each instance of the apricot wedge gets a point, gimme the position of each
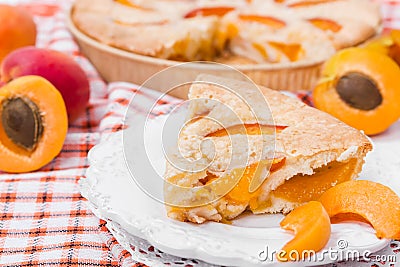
(33, 124)
(312, 228)
(376, 203)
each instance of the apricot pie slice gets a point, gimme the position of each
(255, 149)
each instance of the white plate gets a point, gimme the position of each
(132, 216)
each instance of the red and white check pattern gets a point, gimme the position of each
(44, 221)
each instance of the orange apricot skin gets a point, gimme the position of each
(379, 68)
(376, 203)
(311, 225)
(55, 121)
(56, 67)
(17, 29)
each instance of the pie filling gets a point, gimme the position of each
(298, 189)
(304, 188)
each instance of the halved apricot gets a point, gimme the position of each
(266, 20)
(376, 203)
(360, 87)
(325, 24)
(209, 11)
(312, 228)
(33, 124)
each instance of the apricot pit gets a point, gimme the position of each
(359, 91)
(312, 228)
(22, 122)
(365, 201)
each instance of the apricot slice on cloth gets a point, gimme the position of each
(312, 228)
(209, 11)
(360, 87)
(376, 203)
(33, 124)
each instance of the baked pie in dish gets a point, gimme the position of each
(234, 31)
(248, 163)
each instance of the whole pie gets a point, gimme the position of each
(232, 157)
(234, 31)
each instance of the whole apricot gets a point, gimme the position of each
(56, 67)
(17, 29)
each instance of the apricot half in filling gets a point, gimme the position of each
(360, 87)
(33, 124)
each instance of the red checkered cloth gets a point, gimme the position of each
(44, 219)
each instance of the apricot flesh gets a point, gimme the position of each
(58, 68)
(312, 228)
(374, 202)
(17, 29)
(33, 124)
(303, 188)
